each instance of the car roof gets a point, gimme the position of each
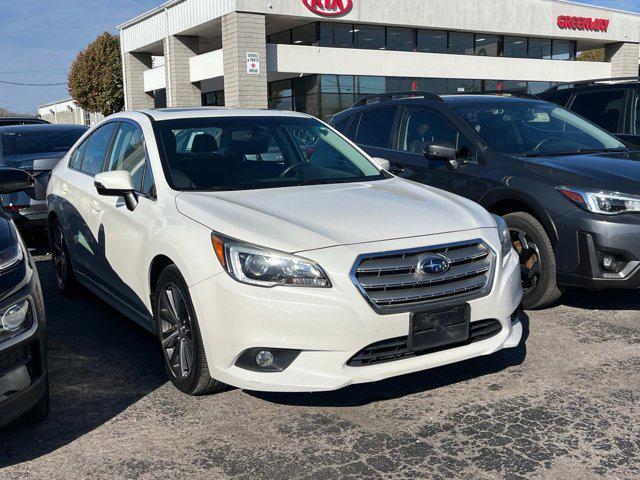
(213, 112)
(570, 88)
(41, 127)
(470, 99)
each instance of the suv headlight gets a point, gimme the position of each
(603, 202)
(10, 257)
(15, 319)
(267, 268)
(504, 234)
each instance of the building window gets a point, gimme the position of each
(282, 38)
(514, 47)
(371, 85)
(540, 48)
(461, 43)
(338, 35)
(87, 119)
(370, 37)
(213, 99)
(431, 41)
(400, 39)
(305, 35)
(487, 45)
(563, 50)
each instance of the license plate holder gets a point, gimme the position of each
(439, 328)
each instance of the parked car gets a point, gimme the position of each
(613, 104)
(35, 149)
(310, 271)
(564, 186)
(24, 387)
(8, 121)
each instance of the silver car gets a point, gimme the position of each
(36, 149)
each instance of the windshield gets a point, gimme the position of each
(39, 141)
(240, 153)
(535, 128)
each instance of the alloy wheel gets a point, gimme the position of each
(530, 260)
(176, 331)
(59, 257)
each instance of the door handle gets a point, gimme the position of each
(95, 205)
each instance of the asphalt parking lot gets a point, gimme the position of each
(566, 406)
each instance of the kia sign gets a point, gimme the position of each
(567, 22)
(329, 8)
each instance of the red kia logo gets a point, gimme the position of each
(329, 8)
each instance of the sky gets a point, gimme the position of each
(39, 40)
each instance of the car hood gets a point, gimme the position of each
(296, 219)
(617, 172)
(34, 162)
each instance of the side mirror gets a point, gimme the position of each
(15, 180)
(439, 151)
(382, 163)
(117, 184)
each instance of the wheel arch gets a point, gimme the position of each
(158, 264)
(505, 202)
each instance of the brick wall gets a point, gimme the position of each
(135, 64)
(243, 33)
(623, 58)
(180, 91)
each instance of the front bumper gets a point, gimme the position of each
(329, 326)
(23, 359)
(584, 237)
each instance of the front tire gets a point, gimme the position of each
(65, 280)
(183, 352)
(537, 260)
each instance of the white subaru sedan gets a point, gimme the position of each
(268, 252)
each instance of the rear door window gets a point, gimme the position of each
(93, 161)
(376, 127)
(602, 108)
(76, 157)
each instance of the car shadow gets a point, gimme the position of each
(601, 299)
(100, 363)
(397, 387)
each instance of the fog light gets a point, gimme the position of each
(264, 359)
(609, 262)
(15, 316)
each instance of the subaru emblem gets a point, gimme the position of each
(436, 265)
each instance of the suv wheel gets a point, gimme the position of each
(65, 280)
(537, 260)
(182, 349)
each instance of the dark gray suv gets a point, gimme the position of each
(565, 186)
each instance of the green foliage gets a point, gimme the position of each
(95, 79)
(596, 55)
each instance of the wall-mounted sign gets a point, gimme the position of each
(329, 8)
(567, 22)
(253, 63)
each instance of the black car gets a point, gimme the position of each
(614, 104)
(35, 149)
(565, 186)
(24, 389)
(8, 121)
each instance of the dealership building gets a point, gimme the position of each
(319, 56)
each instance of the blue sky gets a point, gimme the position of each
(40, 38)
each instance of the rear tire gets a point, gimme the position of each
(183, 352)
(537, 260)
(62, 269)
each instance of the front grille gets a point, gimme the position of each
(392, 281)
(13, 358)
(396, 348)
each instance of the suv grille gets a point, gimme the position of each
(396, 348)
(393, 281)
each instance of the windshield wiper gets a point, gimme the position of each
(581, 151)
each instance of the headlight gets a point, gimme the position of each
(504, 234)
(267, 268)
(10, 257)
(15, 319)
(606, 203)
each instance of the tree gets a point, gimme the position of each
(596, 55)
(95, 79)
